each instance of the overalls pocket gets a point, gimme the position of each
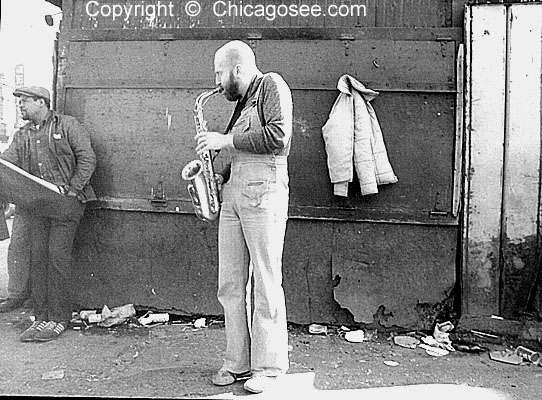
(256, 193)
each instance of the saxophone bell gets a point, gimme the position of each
(198, 190)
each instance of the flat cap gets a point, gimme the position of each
(32, 91)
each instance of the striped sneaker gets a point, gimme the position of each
(51, 331)
(29, 334)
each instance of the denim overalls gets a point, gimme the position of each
(251, 237)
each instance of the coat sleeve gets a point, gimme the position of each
(338, 134)
(11, 154)
(85, 158)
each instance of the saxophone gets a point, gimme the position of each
(202, 185)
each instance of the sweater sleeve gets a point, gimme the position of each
(275, 109)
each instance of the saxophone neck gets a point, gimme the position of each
(203, 97)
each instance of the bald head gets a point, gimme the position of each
(235, 66)
(236, 53)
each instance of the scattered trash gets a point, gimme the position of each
(441, 334)
(369, 335)
(528, 354)
(85, 314)
(316, 329)
(506, 356)
(355, 336)
(200, 323)
(52, 375)
(152, 318)
(484, 334)
(430, 341)
(468, 347)
(94, 318)
(116, 316)
(434, 351)
(408, 342)
(391, 363)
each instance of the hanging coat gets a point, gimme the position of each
(353, 139)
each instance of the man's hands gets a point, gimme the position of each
(219, 179)
(68, 191)
(212, 141)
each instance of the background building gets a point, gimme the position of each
(26, 51)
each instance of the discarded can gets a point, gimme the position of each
(316, 329)
(85, 314)
(528, 354)
(153, 318)
(355, 336)
(94, 318)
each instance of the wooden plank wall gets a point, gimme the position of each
(487, 93)
(521, 192)
(503, 195)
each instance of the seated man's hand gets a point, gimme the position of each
(68, 191)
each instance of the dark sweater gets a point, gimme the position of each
(274, 107)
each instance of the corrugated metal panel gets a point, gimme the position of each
(141, 137)
(414, 13)
(134, 88)
(332, 272)
(150, 106)
(159, 260)
(375, 268)
(381, 64)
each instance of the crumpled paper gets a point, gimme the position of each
(117, 315)
(442, 335)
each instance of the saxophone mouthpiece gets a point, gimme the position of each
(219, 89)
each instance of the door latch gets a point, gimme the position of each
(158, 196)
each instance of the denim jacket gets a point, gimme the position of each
(70, 148)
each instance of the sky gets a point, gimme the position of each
(26, 39)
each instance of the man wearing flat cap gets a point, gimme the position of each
(56, 148)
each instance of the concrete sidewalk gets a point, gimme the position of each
(177, 361)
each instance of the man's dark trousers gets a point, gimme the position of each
(51, 264)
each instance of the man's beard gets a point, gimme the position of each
(232, 92)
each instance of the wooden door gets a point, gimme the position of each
(503, 107)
